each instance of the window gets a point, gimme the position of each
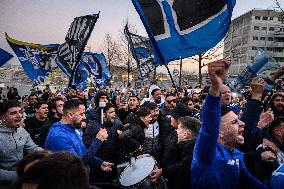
(257, 17)
(270, 18)
(270, 38)
(264, 28)
(271, 28)
(253, 48)
(256, 27)
(262, 38)
(255, 38)
(280, 19)
(269, 48)
(265, 18)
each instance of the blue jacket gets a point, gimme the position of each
(63, 137)
(214, 166)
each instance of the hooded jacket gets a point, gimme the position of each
(14, 143)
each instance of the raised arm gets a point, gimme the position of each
(205, 147)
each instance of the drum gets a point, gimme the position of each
(137, 174)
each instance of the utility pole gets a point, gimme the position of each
(199, 69)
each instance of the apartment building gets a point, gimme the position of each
(254, 29)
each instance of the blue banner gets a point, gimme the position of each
(180, 29)
(4, 57)
(92, 67)
(37, 60)
(261, 63)
(70, 52)
(142, 51)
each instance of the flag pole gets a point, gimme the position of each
(171, 77)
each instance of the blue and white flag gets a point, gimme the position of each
(93, 68)
(38, 61)
(183, 28)
(261, 63)
(70, 52)
(4, 57)
(142, 52)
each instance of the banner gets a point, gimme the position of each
(261, 63)
(38, 61)
(4, 57)
(180, 29)
(142, 52)
(70, 52)
(93, 68)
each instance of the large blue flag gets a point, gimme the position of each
(142, 51)
(93, 68)
(37, 60)
(183, 28)
(4, 56)
(70, 52)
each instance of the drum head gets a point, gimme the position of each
(137, 172)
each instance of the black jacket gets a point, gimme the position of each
(178, 173)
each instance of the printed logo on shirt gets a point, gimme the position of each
(234, 162)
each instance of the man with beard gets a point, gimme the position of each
(100, 97)
(155, 95)
(30, 105)
(277, 104)
(216, 163)
(34, 124)
(133, 106)
(56, 109)
(109, 148)
(170, 104)
(226, 99)
(63, 136)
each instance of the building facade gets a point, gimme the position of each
(254, 29)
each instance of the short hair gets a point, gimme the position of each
(30, 158)
(52, 102)
(134, 96)
(190, 123)
(169, 94)
(143, 112)
(38, 104)
(186, 99)
(108, 106)
(5, 105)
(225, 110)
(155, 90)
(276, 123)
(62, 170)
(71, 105)
(150, 105)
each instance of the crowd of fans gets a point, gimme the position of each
(208, 139)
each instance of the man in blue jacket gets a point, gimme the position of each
(63, 136)
(216, 163)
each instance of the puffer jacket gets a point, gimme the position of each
(14, 143)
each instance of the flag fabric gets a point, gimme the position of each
(37, 60)
(261, 63)
(70, 52)
(4, 57)
(142, 52)
(180, 29)
(93, 68)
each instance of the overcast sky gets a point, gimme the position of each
(47, 21)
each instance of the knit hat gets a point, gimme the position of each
(180, 110)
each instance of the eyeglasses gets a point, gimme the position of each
(171, 101)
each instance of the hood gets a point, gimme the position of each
(152, 87)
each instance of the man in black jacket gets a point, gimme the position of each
(178, 173)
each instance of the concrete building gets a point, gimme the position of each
(254, 29)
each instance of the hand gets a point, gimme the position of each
(83, 124)
(156, 174)
(265, 118)
(268, 156)
(119, 132)
(217, 72)
(106, 166)
(257, 86)
(278, 74)
(268, 144)
(102, 135)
